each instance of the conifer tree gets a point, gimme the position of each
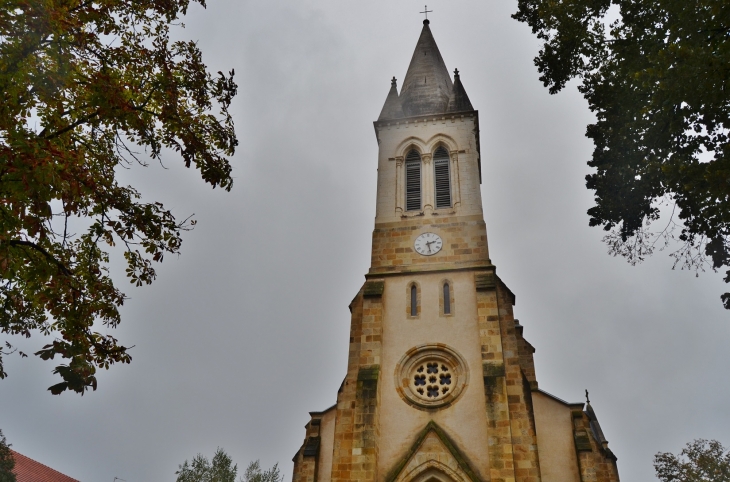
(7, 462)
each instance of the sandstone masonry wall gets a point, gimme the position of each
(465, 244)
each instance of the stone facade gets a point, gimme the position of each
(431, 396)
(466, 244)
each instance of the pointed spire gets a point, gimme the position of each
(589, 410)
(459, 101)
(595, 426)
(427, 86)
(392, 108)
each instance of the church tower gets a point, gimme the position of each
(440, 383)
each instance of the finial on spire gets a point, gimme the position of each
(588, 400)
(393, 81)
(456, 73)
(426, 11)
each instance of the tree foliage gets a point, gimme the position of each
(255, 474)
(699, 461)
(221, 469)
(655, 73)
(85, 87)
(7, 462)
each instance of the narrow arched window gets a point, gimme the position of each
(413, 181)
(442, 178)
(414, 300)
(447, 299)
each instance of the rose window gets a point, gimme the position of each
(431, 376)
(432, 380)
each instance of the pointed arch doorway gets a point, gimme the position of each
(433, 471)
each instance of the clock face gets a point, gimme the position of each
(428, 244)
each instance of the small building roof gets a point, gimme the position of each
(29, 470)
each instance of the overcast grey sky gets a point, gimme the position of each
(247, 331)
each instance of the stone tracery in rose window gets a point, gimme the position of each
(431, 376)
(432, 380)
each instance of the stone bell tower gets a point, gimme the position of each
(440, 382)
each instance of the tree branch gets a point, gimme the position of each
(61, 267)
(69, 127)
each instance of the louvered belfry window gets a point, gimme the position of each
(413, 181)
(442, 178)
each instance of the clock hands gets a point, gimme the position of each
(428, 244)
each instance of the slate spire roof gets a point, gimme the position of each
(392, 108)
(459, 101)
(596, 429)
(427, 87)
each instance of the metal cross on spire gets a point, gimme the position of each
(426, 11)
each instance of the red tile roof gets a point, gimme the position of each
(28, 470)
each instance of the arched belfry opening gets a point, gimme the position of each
(413, 181)
(442, 178)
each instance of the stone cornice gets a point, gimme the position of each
(426, 118)
(431, 269)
